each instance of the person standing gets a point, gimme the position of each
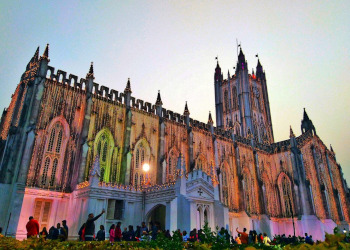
(32, 228)
(64, 225)
(244, 235)
(90, 226)
(44, 233)
(118, 232)
(101, 235)
(112, 233)
(144, 228)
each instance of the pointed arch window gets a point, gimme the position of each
(53, 156)
(234, 98)
(104, 144)
(224, 187)
(287, 199)
(226, 101)
(59, 141)
(141, 156)
(46, 169)
(136, 180)
(53, 173)
(247, 187)
(52, 139)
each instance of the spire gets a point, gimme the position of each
(306, 124)
(306, 117)
(331, 148)
(36, 55)
(259, 64)
(241, 57)
(186, 111)
(128, 88)
(291, 133)
(228, 75)
(217, 75)
(159, 100)
(46, 53)
(210, 119)
(217, 65)
(91, 71)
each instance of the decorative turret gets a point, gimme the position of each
(46, 53)
(90, 81)
(217, 75)
(159, 100)
(291, 133)
(306, 124)
(186, 111)
(34, 59)
(210, 119)
(241, 57)
(91, 72)
(159, 104)
(241, 64)
(128, 88)
(44, 61)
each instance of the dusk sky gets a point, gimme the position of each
(304, 47)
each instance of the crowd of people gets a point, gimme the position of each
(143, 233)
(54, 233)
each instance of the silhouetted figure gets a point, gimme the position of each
(101, 234)
(90, 226)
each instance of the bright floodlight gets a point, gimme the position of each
(145, 167)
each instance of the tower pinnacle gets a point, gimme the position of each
(159, 100)
(46, 52)
(128, 88)
(91, 71)
(291, 133)
(210, 119)
(186, 111)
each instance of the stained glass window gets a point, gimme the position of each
(46, 168)
(54, 170)
(59, 141)
(52, 139)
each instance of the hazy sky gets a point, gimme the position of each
(171, 46)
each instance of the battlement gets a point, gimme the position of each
(110, 95)
(199, 174)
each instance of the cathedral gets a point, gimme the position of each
(70, 147)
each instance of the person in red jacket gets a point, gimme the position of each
(32, 228)
(118, 232)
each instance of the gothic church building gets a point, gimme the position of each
(70, 147)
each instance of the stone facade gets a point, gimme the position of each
(69, 148)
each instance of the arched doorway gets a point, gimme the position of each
(157, 214)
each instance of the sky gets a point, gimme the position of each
(171, 46)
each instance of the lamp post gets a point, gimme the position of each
(145, 169)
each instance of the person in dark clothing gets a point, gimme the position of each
(131, 234)
(81, 232)
(101, 235)
(53, 233)
(43, 234)
(154, 230)
(138, 232)
(167, 234)
(125, 234)
(90, 226)
(61, 232)
(144, 228)
(64, 225)
(118, 232)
